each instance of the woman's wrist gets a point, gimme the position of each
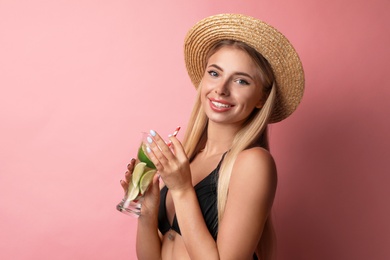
(148, 220)
(182, 194)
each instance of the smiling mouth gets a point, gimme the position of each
(220, 105)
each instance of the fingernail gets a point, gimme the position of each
(153, 133)
(170, 135)
(149, 139)
(148, 149)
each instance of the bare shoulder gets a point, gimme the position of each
(256, 159)
(255, 164)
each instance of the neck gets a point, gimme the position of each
(219, 138)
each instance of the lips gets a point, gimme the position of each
(220, 105)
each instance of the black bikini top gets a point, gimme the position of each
(206, 192)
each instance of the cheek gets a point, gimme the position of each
(206, 88)
(251, 101)
(246, 98)
(257, 96)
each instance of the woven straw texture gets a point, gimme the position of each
(273, 45)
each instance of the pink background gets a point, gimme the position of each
(81, 79)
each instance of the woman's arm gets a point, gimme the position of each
(251, 193)
(148, 243)
(196, 236)
(175, 171)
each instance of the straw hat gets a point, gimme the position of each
(269, 42)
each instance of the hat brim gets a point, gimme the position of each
(265, 39)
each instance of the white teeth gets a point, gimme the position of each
(220, 105)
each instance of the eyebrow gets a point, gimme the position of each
(236, 73)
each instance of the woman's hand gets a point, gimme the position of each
(151, 200)
(152, 195)
(171, 162)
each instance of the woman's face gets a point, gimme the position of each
(230, 87)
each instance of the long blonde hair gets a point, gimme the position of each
(253, 133)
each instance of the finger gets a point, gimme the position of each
(152, 156)
(130, 166)
(154, 188)
(177, 147)
(124, 185)
(157, 152)
(156, 141)
(128, 176)
(159, 141)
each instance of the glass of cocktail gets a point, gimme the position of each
(141, 178)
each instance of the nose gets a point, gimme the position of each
(222, 88)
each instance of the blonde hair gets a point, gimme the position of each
(253, 133)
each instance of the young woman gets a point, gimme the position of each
(218, 186)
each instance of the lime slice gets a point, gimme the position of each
(145, 181)
(144, 158)
(132, 193)
(137, 173)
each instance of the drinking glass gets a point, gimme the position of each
(141, 178)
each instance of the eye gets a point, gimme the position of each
(212, 73)
(242, 82)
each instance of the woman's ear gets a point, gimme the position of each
(260, 104)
